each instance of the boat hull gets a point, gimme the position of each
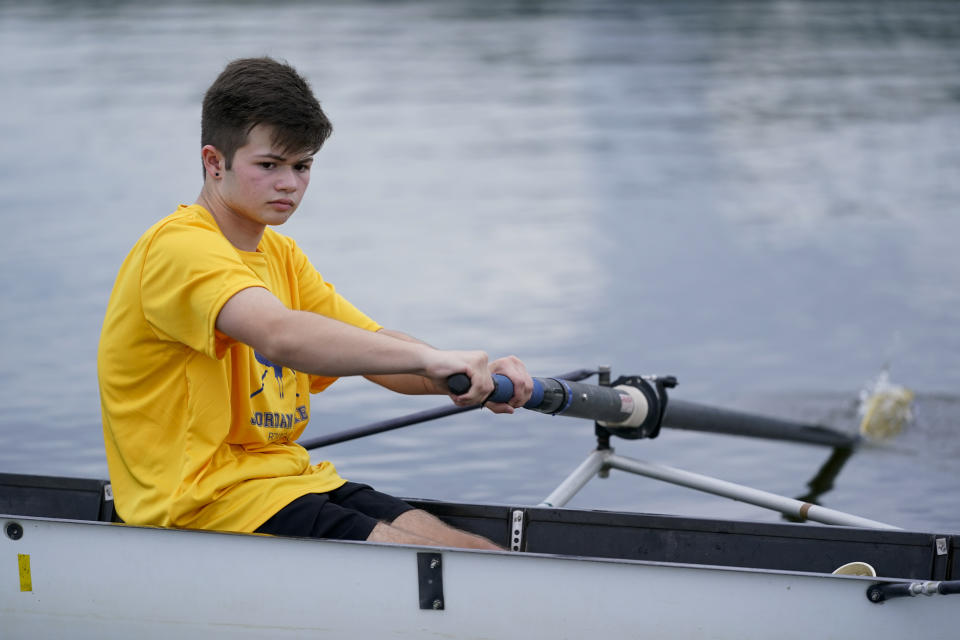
(102, 580)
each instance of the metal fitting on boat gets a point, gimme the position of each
(647, 404)
(14, 530)
(884, 591)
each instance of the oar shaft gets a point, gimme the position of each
(579, 400)
(696, 417)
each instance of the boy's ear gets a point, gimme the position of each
(213, 160)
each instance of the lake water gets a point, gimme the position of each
(758, 197)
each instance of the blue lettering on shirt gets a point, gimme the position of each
(275, 420)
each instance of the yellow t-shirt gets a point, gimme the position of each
(199, 429)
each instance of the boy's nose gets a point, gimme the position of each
(286, 181)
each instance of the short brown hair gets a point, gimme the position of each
(252, 91)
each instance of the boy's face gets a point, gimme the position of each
(265, 185)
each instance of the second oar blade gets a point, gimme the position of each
(886, 412)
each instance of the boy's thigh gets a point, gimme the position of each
(347, 513)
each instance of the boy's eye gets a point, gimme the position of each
(302, 167)
(268, 165)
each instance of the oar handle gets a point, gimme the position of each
(459, 384)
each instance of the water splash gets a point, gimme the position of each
(885, 408)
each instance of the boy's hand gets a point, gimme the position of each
(513, 368)
(474, 364)
(443, 364)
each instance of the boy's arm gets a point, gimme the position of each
(318, 345)
(510, 366)
(408, 383)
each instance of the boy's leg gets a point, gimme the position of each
(401, 523)
(314, 515)
(358, 512)
(424, 525)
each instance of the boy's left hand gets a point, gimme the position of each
(513, 368)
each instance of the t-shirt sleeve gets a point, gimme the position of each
(320, 296)
(188, 274)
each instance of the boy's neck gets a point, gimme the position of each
(243, 233)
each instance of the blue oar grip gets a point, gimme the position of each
(536, 398)
(502, 389)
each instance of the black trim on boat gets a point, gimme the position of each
(666, 538)
(56, 497)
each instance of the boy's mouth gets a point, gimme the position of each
(282, 203)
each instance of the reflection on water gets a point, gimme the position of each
(755, 196)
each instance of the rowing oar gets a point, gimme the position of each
(414, 418)
(636, 407)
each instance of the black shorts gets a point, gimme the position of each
(347, 513)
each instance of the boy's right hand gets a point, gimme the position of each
(473, 364)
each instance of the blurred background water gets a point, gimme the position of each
(759, 197)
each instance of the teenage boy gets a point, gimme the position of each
(219, 329)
